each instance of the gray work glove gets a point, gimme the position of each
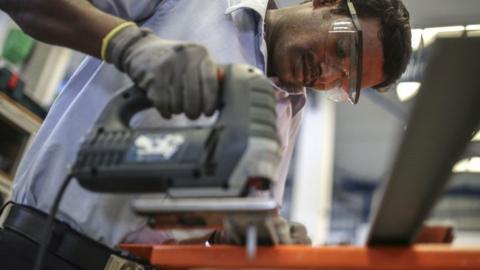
(286, 232)
(291, 232)
(177, 77)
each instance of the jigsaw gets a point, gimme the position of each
(214, 176)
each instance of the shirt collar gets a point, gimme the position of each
(285, 91)
(259, 6)
(296, 97)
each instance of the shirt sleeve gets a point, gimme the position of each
(132, 10)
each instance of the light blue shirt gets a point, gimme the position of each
(231, 30)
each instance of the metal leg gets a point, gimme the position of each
(251, 241)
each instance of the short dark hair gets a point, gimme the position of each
(395, 33)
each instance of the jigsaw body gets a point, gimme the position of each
(204, 172)
(215, 161)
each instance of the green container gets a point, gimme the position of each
(18, 46)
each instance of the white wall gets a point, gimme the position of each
(312, 190)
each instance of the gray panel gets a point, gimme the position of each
(445, 115)
(433, 13)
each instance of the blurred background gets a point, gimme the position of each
(343, 151)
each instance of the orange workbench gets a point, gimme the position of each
(420, 256)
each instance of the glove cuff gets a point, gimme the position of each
(121, 38)
(110, 35)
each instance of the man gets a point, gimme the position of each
(175, 62)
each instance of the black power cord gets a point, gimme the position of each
(47, 231)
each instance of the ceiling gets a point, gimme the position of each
(431, 13)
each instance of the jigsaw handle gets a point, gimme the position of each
(123, 106)
(214, 161)
(244, 89)
(127, 102)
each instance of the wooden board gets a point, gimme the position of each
(431, 256)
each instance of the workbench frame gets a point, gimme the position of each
(416, 257)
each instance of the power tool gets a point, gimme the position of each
(200, 169)
(221, 160)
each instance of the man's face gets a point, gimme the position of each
(299, 47)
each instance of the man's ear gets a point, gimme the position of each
(325, 3)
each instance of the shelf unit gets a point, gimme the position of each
(5, 185)
(18, 126)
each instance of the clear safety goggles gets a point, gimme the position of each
(343, 59)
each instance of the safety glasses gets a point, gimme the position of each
(343, 58)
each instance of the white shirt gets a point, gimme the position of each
(232, 31)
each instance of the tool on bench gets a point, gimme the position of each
(211, 176)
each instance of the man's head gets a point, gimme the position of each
(298, 42)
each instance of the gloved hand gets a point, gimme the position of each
(287, 233)
(291, 232)
(177, 77)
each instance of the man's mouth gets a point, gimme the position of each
(304, 70)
